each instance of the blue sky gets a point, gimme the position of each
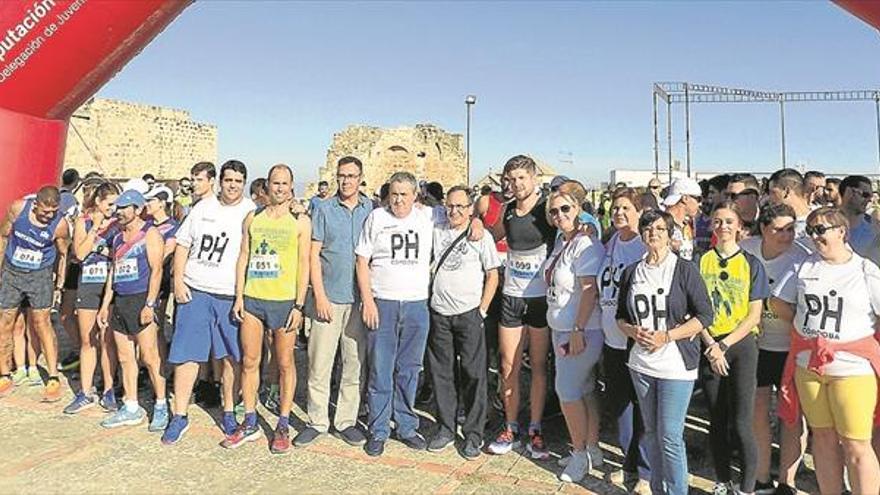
(279, 78)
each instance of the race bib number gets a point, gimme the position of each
(264, 266)
(125, 270)
(524, 267)
(27, 258)
(96, 273)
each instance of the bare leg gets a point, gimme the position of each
(184, 378)
(763, 435)
(147, 341)
(539, 346)
(829, 465)
(251, 346)
(284, 342)
(88, 349)
(861, 464)
(510, 346)
(39, 318)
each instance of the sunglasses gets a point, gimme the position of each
(819, 229)
(865, 194)
(655, 187)
(555, 211)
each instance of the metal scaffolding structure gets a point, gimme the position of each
(674, 93)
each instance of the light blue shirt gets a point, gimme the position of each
(338, 228)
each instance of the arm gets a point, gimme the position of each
(304, 240)
(62, 244)
(104, 312)
(316, 275)
(370, 311)
(84, 240)
(489, 288)
(170, 247)
(589, 296)
(155, 251)
(181, 292)
(241, 268)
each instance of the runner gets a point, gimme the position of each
(208, 244)
(683, 203)
(864, 236)
(778, 252)
(737, 286)
(133, 288)
(34, 239)
(464, 283)
(158, 211)
(69, 208)
(91, 235)
(336, 318)
(272, 276)
(524, 306)
(786, 186)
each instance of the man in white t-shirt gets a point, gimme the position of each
(208, 243)
(786, 186)
(393, 270)
(466, 276)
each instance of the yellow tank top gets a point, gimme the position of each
(273, 261)
(729, 282)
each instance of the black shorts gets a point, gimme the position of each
(34, 287)
(71, 276)
(523, 311)
(126, 317)
(89, 296)
(770, 366)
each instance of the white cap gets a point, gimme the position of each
(684, 186)
(159, 189)
(139, 185)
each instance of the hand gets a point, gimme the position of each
(576, 343)
(588, 229)
(645, 338)
(181, 293)
(296, 208)
(294, 320)
(324, 309)
(485, 313)
(370, 314)
(477, 230)
(238, 309)
(103, 317)
(720, 365)
(98, 218)
(148, 315)
(56, 297)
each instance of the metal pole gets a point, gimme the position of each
(656, 142)
(687, 127)
(468, 144)
(782, 127)
(669, 135)
(877, 108)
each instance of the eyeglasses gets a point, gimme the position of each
(457, 207)
(864, 194)
(555, 211)
(654, 187)
(819, 229)
(345, 177)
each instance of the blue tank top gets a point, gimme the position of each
(96, 264)
(31, 247)
(131, 270)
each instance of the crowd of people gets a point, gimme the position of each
(741, 287)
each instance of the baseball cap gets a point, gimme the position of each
(130, 197)
(161, 192)
(558, 181)
(684, 186)
(139, 185)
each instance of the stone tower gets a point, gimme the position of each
(426, 150)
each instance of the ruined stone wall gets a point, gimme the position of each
(426, 150)
(122, 140)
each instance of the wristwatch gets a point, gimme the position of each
(297, 306)
(150, 304)
(722, 346)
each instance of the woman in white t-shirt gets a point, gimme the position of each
(662, 305)
(570, 272)
(833, 300)
(624, 248)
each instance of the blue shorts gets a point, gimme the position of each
(204, 327)
(272, 314)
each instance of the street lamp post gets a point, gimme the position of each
(469, 101)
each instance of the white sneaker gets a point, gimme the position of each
(642, 487)
(724, 488)
(597, 457)
(578, 467)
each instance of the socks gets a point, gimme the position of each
(131, 406)
(534, 426)
(250, 419)
(514, 426)
(161, 403)
(283, 421)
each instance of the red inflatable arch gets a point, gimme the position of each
(54, 55)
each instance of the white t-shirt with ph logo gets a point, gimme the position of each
(399, 250)
(619, 254)
(837, 302)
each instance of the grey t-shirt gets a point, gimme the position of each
(458, 285)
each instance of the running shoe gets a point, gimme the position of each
(34, 377)
(108, 401)
(241, 436)
(726, 488)
(597, 457)
(229, 424)
(80, 403)
(160, 418)
(536, 447)
(642, 487)
(124, 417)
(52, 392)
(765, 487)
(505, 442)
(20, 376)
(176, 428)
(280, 441)
(578, 467)
(6, 385)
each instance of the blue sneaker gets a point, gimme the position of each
(229, 424)
(124, 417)
(176, 428)
(160, 418)
(80, 403)
(108, 401)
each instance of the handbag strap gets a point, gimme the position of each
(548, 275)
(446, 254)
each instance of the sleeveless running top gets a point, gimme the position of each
(96, 264)
(31, 247)
(492, 220)
(131, 270)
(529, 239)
(273, 260)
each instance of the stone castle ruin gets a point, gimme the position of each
(426, 150)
